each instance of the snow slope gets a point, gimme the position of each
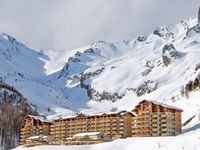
(104, 74)
(189, 140)
(24, 69)
(186, 141)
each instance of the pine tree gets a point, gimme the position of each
(189, 86)
(13, 108)
(182, 91)
(196, 83)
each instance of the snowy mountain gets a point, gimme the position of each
(23, 68)
(104, 75)
(162, 66)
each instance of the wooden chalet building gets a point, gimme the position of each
(32, 126)
(111, 125)
(156, 119)
(148, 118)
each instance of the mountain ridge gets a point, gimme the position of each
(86, 79)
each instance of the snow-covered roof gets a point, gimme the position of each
(161, 104)
(41, 118)
(87, 134)
(33, 137)
(133, 113)
(121, 112)
(96, 114)
(66, 117)
(102, 113)
(36, 137)
(111, 113)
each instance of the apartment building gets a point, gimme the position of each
(34, 126)
(148, 118)
(156, 119)
(112, 125)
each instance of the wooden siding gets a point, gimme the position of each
(150, 119)
(33, 127)
(155, 120)
(111, 125)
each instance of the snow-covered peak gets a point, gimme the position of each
(7, 37)
(10, 42)
(104, 74)
(107, 76)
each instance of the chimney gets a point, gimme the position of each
(199, 16)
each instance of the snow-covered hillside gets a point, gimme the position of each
(104, 75)
(107, 75)
(189, 140)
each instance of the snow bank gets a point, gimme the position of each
(187, 141)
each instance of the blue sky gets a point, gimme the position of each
(70, 24)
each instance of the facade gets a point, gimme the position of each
(156, 119)
(148, 118)
(112, 125)
(34, 126)
(36, 140)
(88, 135)
(85, 138)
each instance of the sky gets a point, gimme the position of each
(71, 24)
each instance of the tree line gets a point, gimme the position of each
(191, 86)
(13, 108)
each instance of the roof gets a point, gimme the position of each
(36, 137)
(33, 137)
(95, 114)
(87, 134)
(121, 112)
(133, 113)
(41, 118)
(161, 104)
(66, 117)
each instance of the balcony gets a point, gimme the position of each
(143, 125)
(25, 132)
(25, 129)
(164, 129)
(163, 120)
(143, 116)
(164, 125)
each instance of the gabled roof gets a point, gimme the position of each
(41, 118)
(158, 103)
(81, 115)
(66, 117)
(111, 113)
(37, 137)
(87, 134)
